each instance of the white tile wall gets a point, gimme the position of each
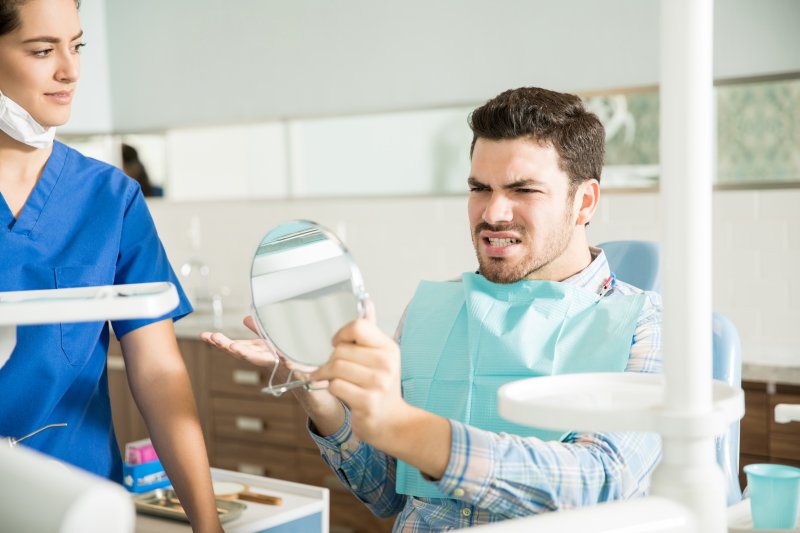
(398, 241)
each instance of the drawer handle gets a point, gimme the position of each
(247, 377)
(249, 468)
(249, 423)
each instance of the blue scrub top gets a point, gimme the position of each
(85, 223)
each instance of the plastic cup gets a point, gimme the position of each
(774, 495)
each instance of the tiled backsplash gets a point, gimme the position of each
(398, 241)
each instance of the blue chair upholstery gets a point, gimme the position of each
(636, 262)
(727, 367)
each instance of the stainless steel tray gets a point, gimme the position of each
(164, 503)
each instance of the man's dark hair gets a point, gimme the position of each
(545, 117)
(9, 14)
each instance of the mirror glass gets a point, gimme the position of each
(305, 286)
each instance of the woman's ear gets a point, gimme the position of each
(587, 195)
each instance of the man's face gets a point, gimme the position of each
(521, 210)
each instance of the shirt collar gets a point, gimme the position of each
(595, 275)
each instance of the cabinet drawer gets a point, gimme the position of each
(785, 447)
(270, 461)
(784, 438)
(754, 424)
(233, 376)
(255, 421)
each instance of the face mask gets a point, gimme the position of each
(21, 126)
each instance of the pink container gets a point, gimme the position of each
(140, 452)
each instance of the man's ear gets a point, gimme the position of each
(587, 195)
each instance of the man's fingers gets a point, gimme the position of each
(347, 392)
(362, 332)
(369, 311)
(250, 323)
(350, 371)
(216, 338)
(256, 351)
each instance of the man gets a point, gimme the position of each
(422, 439)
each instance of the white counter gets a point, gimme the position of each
(301, 504)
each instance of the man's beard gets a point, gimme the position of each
(506, 270)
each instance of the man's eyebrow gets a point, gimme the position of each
(51, 40)
(525, 182)
(474, 182)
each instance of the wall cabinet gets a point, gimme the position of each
(246, 430)
(762, 439)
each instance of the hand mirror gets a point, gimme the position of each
(305, 286)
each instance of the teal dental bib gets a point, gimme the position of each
(462, 341)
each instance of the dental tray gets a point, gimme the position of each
(164, 503)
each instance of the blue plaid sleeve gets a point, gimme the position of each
(366, 471)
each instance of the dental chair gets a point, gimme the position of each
(637, 263)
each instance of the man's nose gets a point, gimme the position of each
(499, 209)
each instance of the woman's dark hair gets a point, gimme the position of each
(134, 168)
(9, 14)
(545, 117)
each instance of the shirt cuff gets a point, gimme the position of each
(338, 447)
(471, 465)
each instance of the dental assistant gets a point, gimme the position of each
(410, 425)
(70, 221)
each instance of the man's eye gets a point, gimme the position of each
(476, 188)
(528, 191)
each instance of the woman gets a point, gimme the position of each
(133, 167)
(69, 221)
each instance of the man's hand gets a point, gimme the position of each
(364, 373)
(324, 410)
(256, 351)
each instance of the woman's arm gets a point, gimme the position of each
(160, 385)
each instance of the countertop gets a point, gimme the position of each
(298, 501)
(787, 375)
(231, 325)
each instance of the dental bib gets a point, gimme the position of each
(462, 341)
(21, 126)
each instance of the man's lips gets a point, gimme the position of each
(499, 243)
(500, 238)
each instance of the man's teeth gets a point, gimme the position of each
(502, 242)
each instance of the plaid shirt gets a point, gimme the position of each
(496, 476)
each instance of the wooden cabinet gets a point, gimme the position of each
(261, 434)
(128, 422)
(246, 430)
(762, 439)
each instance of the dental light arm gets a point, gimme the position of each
(82, 304)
